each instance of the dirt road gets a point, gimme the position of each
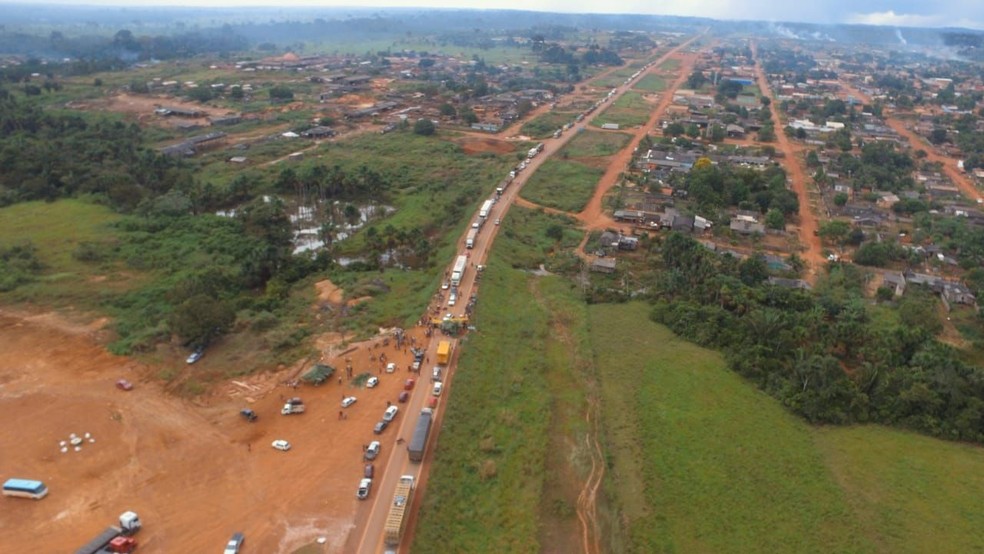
(808, 227)
(959, 178)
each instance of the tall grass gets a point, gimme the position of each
(565, 185)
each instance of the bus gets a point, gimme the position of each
(25, 488)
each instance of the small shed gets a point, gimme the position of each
(603, 265)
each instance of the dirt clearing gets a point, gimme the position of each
(194, 471)
(479, 145)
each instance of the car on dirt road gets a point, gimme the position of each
(372, 382)
(281, 444)
(248, 415)
(404, 396)
(371, 451)
(380, 426)
(235, 544)
(438, 388)
(408, 384)
(390, 413)
(369, 471)
(365, 485)
(445, 285)
(123, 384)
(391, 367)
(348, 401)
(498, 221)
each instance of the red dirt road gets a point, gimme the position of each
(949, 165)
(194, 473)
(813, 256)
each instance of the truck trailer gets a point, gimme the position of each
(470, 239)
(458, 271)
(443, 352)
(486, 208)
(396, 520)
(419, 441)
(115, 539)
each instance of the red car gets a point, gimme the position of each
(404, 396)
(432, 402)
(123, 384)
(408, 385)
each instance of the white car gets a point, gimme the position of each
(372, 382)
(445, 285)
(498, 221)
(196, 355)
(348, 401)
(390, 413)
(452, 298)
(438, 388)
(390, 367)
(371, 451)
(365, 485)
(281, 444)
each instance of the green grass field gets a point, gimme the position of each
(671, 64)
(630, 110)
(544, 125)
(702, 462)
(57, 229)
(565, 185)
(651, 83)
(594, 144)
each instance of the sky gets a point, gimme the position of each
(900, 13)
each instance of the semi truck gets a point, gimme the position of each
(396, 520)
(115, 539)
(458, 271)
(486, 208)
(470, 239)
(419, 441)
(443, 352)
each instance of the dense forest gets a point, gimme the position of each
(824, 354)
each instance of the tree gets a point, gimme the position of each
(424, 127)
(200, 94)
(674, 129)
(201, 318)
(767, 133)
(447, 110)
(281, 92)
(696, 80)
(938, 135)
(765, 100)
(717, 133)
(774, 219)
(835, 231)
(841, 198)
(468, 116)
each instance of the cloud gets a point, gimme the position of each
(892, 19)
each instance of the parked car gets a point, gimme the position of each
(438, 388)
(248, 415)
(498, 221)
(452, 298)
(372, 451)
(196, 355)
(432, 402)
(372, 382)
(234, 544)
(408, 385)
(416, 365)
(381, 426)
(365, 485)
(348, 401)
(123, 384)
(281, 444)
(404, 396)
(390, 367)
(445, 285)
(436, 375)
(390, 413)
(369, 471)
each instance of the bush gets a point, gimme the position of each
(424, 127)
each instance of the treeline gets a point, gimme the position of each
(47, 155)
(714, 187)
(822, 353)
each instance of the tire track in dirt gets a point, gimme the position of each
(587, 505)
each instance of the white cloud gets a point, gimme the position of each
(892, 19)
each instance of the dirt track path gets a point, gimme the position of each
(949, 165)
(593, 215)
(813, 256)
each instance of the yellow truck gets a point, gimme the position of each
(443, 352)
(396, 520)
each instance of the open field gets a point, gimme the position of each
(729, 470)
(544, 125)
(670, 65)
(565, 185)
(630, 110)
(651, 83)
(595, 144)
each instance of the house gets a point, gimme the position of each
(487, 127)
(227, 120)
(886, 200)
(746, 227)
(735, 131)
(683, 223)
(319, 132)
(632, 216)
(603, 265)
(609, 239)
(957, 293)
(894, 281)
(628, 243)
(610, 126)
(789, 283)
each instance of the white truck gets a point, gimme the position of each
(486, 208)
(458, 271)
(293, 406)
(532, 153)
(470, 239)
